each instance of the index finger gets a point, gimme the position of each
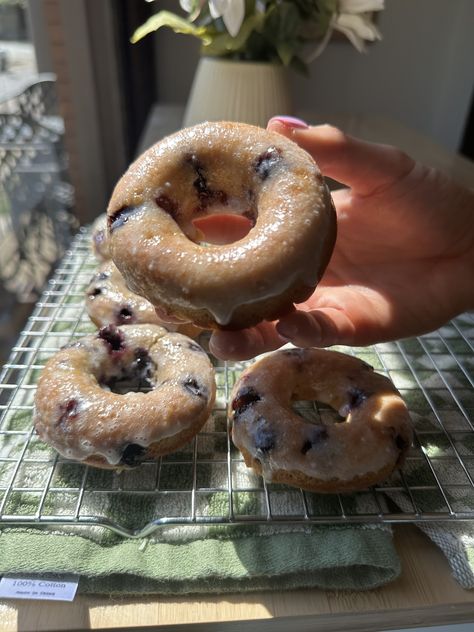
(361, 165)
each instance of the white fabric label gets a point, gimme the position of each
(60, 588)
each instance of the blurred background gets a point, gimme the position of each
(78, 101)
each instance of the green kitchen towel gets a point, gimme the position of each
(355, 558)
(457, 543)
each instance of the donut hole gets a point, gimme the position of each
(221, 228)
(316, 412)
(135, 376)
(203, 196)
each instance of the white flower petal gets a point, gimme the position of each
(377, 34)
(192, 6)
(186, 5)
(214, 13)
(354, 39)
(359, 24)
(218, 7)
(360, 6)
(234, 15)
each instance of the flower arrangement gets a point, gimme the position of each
(289, 33)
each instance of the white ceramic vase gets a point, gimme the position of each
(226, 90)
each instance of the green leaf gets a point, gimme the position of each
(285, 52)
(257, 49)
(313, 8)
(178, 24)
(225, 43)
(283, 22)
(300, 66)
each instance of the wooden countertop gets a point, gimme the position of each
(425, 593)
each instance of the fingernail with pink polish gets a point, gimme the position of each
(289, 121)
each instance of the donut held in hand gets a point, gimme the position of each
(88, 406)
(164, 212)
(359, 451)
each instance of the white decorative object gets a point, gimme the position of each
(245, 91)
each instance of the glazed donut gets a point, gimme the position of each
(88, 408)
(110, 302)
(236, 172)
(100, 238)
(278, 443)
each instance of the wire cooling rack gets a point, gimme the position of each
(207, 482)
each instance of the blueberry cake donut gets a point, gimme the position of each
(110, 302)
(100, 238)
(369, 440)
(222, 172)
(89, 408)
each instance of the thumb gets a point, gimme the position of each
(363, 166)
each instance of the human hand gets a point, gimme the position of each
(403, 261)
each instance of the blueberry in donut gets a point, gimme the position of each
(222, 224)
(369, 437)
